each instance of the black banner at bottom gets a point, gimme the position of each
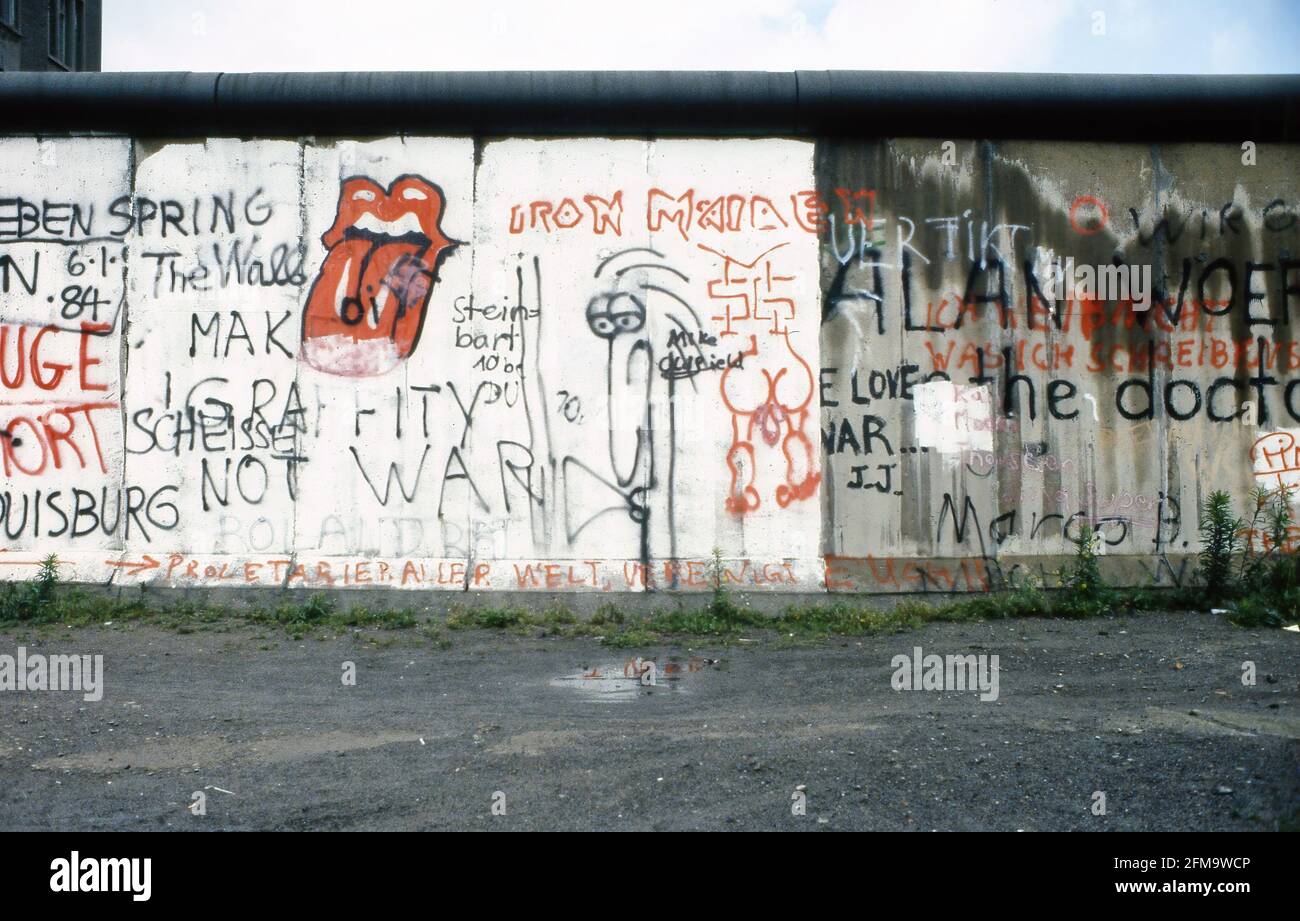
(338, 871)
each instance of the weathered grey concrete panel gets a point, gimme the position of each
(1086, 410)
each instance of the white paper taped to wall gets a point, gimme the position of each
(952, 418)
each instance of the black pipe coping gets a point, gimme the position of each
(861, 104)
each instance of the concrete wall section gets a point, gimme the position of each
(1049, 413)
(586, 364)
(64, 280)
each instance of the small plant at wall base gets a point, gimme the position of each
(721, 605)
(11, 606)
(30, 600)
(1220, 543)
(47, 578)
(1085, 592)
(1266, 560)
(1270, 569)
(1250, 567)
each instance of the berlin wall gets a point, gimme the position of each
(582, 364)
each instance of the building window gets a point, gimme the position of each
(57, 28)
(66, 18)
(9, 13)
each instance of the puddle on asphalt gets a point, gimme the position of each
(636, 677)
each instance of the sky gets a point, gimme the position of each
(1072, 36)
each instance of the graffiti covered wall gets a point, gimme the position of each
(584, 364)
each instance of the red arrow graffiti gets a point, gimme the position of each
(134, 569)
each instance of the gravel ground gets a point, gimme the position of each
(1149, 709)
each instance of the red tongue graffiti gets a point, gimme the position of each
(367, 306)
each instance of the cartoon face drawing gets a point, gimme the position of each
(615, 314)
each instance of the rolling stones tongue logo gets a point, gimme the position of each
(366, 308)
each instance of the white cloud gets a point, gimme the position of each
(995, 35)
(1009, 35)
(239, 35)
